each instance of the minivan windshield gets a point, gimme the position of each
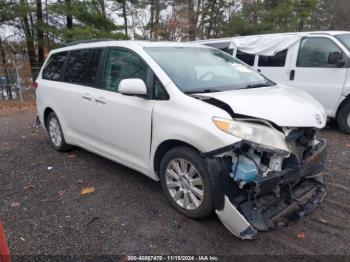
(344, 39)
(204, 70)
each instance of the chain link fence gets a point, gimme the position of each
(16, 83)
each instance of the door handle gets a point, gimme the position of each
(292, 75)
(87, 97)
(259, 70)
(100, 100)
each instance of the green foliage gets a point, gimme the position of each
(271, 16)
(89, 21)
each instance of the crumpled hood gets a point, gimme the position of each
(282, 105)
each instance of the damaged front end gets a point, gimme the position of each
(258, 187)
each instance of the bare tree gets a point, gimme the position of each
(40, 32)
(26, 21)
(69, 17)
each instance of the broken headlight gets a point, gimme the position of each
(258, 134)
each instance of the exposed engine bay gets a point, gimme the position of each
(270, 188)
(271, 178)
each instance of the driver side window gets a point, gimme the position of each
(122, 64)
(314, 52)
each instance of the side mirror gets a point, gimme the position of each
(334, 58)
(132, 86)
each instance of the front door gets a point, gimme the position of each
(124, 122)
(311, 72)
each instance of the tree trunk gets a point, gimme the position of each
(125, 18)
(151, 20)
(211, 18)
(40, 32)
(191, 21)
(69, 14)
(29, 37)
(157, 17)
(103, 13)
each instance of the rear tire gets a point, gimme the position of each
(344, 119)
(55, 133)
(185, 182)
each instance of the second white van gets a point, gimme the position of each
(316, 62)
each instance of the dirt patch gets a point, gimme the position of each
(44, 211)
(15, 105)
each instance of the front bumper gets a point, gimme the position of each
(272, 201)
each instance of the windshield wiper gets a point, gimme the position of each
(208, 90)
(258, 85)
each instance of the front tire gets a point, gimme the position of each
(185, 182)
(344, 119)
(55, 133)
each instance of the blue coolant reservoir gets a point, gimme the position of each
(246, 169)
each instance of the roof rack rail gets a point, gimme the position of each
(87, 41)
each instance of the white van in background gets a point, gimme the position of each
(316, 62)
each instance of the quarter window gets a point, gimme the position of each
(245, 57)
(82, 67)
(159, 90)
(122, 64)
(54, 66)
(314, 52)
(278, 60)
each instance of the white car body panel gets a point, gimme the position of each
(124, 127)
(282, 105)
(326, 85)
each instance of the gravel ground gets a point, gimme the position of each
(44, 213)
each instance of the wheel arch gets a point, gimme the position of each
(47, 111)
(164, 147)
(345, 101)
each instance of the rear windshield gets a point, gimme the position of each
(345, 39)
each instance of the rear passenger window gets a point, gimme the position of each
(245, 57)
(82, 67)
(122, 64)
(278, 60)
(53, 68)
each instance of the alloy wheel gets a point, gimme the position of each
(184, 184)
(55, 132)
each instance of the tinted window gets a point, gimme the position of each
(159, 90)
(278, 60)
(227, 50)
(82, 67)
(122, 64)
(245, 57)
(54, 66)
(314, 52)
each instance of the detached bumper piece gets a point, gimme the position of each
(235, 222)
(269, 211)
(275, 200)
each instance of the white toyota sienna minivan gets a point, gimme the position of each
(218, 135)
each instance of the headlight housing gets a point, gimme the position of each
(258, 134)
